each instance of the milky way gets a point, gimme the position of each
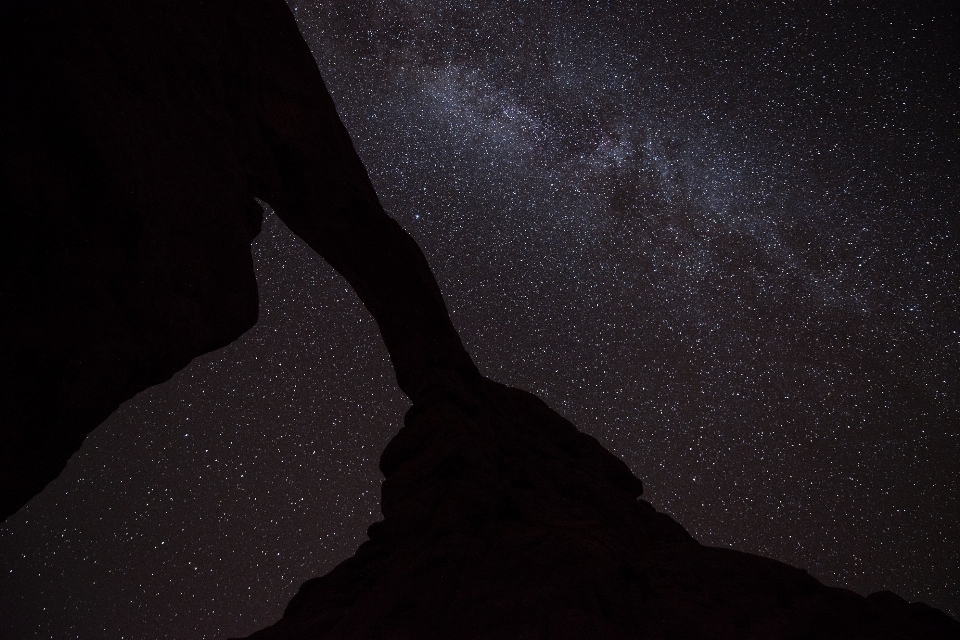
(723, 241)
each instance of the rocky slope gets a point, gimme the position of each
(504, 521)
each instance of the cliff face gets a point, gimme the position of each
(136, 138)
(504, 521)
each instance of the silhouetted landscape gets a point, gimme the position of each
(139, 141)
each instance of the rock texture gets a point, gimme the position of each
(135, 138)
(504, 521)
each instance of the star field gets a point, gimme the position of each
(723, 241)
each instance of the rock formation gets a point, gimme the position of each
(136, 138)
(504, 521)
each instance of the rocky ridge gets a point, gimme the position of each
(502, 520)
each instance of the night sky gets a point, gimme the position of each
(723, 241)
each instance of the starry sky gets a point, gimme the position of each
(720, 238)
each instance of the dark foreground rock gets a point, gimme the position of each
(501, 520)
(135, 137)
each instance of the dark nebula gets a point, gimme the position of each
(723, 241)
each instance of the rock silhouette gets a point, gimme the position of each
(502, 520)
(136, 140)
